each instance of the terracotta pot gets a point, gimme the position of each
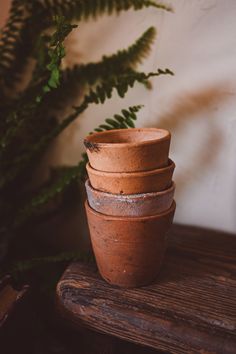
(128, 150)
(142, 204)
(132, 183)
(129, 251)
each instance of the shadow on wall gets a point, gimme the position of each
(195, 106)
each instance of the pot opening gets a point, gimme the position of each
(127, 136)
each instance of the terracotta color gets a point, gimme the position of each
(128, 150)
(132, 183)
(129, 251)
(143, 204)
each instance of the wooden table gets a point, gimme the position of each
(191, 308)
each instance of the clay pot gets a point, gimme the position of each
(129, 250)
(130, 205)
(128, 150)
(132, 183)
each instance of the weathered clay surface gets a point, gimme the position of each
(129, 250)
(143, 204)
(128, 150)
(132, 183)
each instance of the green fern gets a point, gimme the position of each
(28, 20)
(124, 61)
(46, 194)
(48, 69)
(97, 95)
(27, 124)
(18, 269)
(10, 39)
(56, 53)
(126, 119)
(83, 9)
(120, 121)
(114, 64)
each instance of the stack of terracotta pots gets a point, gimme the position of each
(130, 203)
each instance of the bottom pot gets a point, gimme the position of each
(129, 250)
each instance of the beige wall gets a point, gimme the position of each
(198, 105)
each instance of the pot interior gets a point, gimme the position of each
(127, 136)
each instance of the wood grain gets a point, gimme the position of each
(191, 308)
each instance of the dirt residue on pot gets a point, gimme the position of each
(128, 150)
(92, 147)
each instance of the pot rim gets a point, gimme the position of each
(131, 196)
(131, 218)
(170, 166)
(89, 139)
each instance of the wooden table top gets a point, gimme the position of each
(191, 308)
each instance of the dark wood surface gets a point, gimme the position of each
(9, 298)
(191, 308)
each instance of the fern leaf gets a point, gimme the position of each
(97, 95)
(124, 61)
(83, 9)
(121, 121)
(56, 52)
(114, 64)
(24, 112)
(16, 269)
(70, 174)
(10, 35)
(29, 19)
(104, 91)
(48, 193)
(17, 42)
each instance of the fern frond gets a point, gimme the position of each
(24, 266)
(48, 71)
(104, 91)
(56, 52)
(29, 19)
(46, 194)
(10, 35)
(124, 120)
(97, 95)
(120, 121)
(20, 38)
(79, 76)
(112, 65)
(83, 9)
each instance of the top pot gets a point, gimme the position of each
(128, 150)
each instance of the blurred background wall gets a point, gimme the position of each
(197, 105)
